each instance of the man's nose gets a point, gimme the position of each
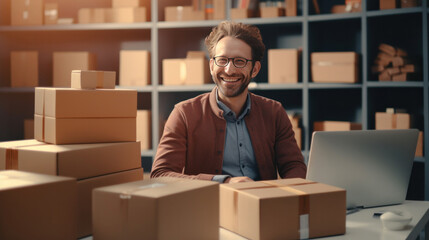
(230, 68)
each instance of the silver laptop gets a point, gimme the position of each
(374, 166)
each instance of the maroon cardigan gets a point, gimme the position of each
(194, 136)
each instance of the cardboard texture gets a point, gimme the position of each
(291, 8)
(241, 13)
(409, 3)
(130, 3)
(343, 64)
(144, 129)
(27, 12)
(419, 148)
(85, 188)
(272, 12)
(79, 161)
(94, 15)
(386, 48)
(129, 15)
(283, 65)
(117, 210)
(65, 21)
(192, 70)
(28, 128)
(385, 120)
(134, 68)
(401, 77)
(51, 13)
(183, 13)
(258, 210)
(219, 9)
(387, 4)
(24, 68)
(37, 206)
(93, 79)
(65, 62)
(336, 126)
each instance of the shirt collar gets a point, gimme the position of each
(228, 114)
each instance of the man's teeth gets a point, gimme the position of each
(230, 79)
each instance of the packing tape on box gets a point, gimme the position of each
(180, 13)
(100, 78)
(11, 159)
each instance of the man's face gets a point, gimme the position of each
(232, 81)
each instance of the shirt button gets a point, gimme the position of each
(241, 144)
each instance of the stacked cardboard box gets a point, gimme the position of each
(334, 67)
(392, 64)
(144, 129)
(391, 4)
(349, 6)
(134, 68)
(283, 65)
(336, 126)
(50, 13)
(65, 62)
(104, 117)
(259, 210)
(398, 119)
(199, 10)
(25, 12)
(192, 70)
(161, 208)
(37, 206)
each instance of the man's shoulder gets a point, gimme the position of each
(264, 102)
(199, 100)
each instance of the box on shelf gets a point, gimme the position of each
(192, 70)
(144, 129)
(134, 68)
(419, 148)
(28, 128)
(283, 65)
(258, 210)
(241, 13)
(65, 62)
(51, 13)
(387, 4)
(26, 12)
(82, 79)
(272, 12)
(384, 120)
(334, 67)
(93, 15)
(129, 15)
(37, 206)
(346, 8)
(409, 3)
(291, 8)
(130, 3)
(219, 9)
(65, 115)
(65, 21)
(117, 210)
(183, 13)
(336, 126)
(24, 68)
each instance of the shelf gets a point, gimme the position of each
(267, 86)
(419, 159)
(138, 88)
(330, 17)
(394, 84)
(78, 27)
(334, 85)
(397, 11)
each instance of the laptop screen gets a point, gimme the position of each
(374, 166)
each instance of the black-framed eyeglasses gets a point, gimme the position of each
(239, 62)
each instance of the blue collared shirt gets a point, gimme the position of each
(238, 156)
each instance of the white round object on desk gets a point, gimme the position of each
(395, 220)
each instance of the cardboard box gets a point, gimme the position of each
(134, 68)
(65, 62)
(85, 188)
(27, 12)
(385, 120)
(65, 21)
(93, 79)
(37, 206)
(183, 13)
(401, 77)
(66, 116)
(129, 15)
(130, 3)
(24, 68)
(117, 210)
(79, 161)
(219, 9)
(291, 8)
(386, 48)
(193, 70)
(272, 12)
(346, 8)
(28, 128)
(94, 15)
(334, 67)
(259, 210)
(387, 4)
(241, 13)
(409, 3)
(336, 126)
(51, 13)
(144, 129)
(283, 65)
(419, 148)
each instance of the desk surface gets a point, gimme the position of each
(362, 224)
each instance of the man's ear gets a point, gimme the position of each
(211, 65)
(256, 69)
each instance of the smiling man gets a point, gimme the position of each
(230, 134)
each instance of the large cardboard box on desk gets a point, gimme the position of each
(283, 65)
(24, 69)
(65, 62)
(134, 68)
(283, 209)
(161, 208)
(37, 206)
(26, 12)
(336, 126)
(334, 67)
(66, 116)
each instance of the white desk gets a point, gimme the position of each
(362, 225)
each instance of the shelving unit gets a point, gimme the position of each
(361, 32)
